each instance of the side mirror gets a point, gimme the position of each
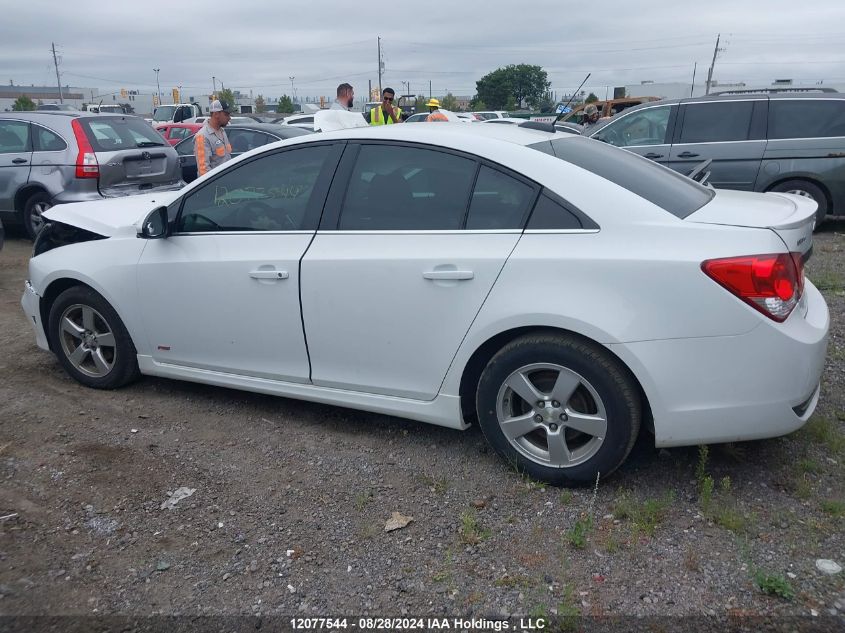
(155, 225)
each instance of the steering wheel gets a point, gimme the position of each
(256, 209)
(198, 218)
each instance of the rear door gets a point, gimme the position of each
(731, 133)
(646, 131)
(412, 240)
(132, 156)
(15, 160)
(187, 159)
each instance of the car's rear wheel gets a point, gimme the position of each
(559, 408)
(33, 212)
(90, 340)
(808, 190)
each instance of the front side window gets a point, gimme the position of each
(717, 122)
(270, 193)
(186, 147)
(645, 127)
(407, 189)
(14, 137)
(806, 118)
(498, 201)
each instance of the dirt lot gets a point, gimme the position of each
(291, 500)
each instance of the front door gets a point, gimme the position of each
(645, 131)
(408, 251)
(222, 293)
(15, 160)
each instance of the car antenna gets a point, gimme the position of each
(557, 118)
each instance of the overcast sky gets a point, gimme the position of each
(258, 44)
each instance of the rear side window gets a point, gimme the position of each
(407, 189)
(46, 141)
(806, 118)
(498, 201)
(716, 122)
(109, 134)
(669, 190)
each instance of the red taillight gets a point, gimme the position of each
(86, 161)
(772, 284)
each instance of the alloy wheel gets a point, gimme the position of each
(87, 340)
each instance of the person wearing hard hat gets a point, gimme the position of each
(386, 113)
(434, 110)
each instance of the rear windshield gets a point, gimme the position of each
(669, 190)
(111, 134)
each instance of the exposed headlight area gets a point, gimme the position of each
(56, 234)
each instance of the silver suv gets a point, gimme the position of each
(49, 158)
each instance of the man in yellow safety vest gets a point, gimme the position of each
(386, 114)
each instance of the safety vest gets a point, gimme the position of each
(375, 116)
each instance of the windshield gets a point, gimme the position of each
(164, 113)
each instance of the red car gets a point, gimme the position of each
(175, 132)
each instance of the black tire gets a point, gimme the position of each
(35, 205)
(809, 189)
(118, 362)
(596, 373)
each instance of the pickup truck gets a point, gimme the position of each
(176, 112)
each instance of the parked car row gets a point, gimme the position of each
(428, 271)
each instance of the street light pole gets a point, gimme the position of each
(158, 86)
(292, 89)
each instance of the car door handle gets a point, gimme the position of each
(19, 161)
(268, 274)
(449, 274)
(687, 155)
(653, 155)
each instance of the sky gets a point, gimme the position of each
(257, 45)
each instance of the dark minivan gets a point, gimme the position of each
(758, 142)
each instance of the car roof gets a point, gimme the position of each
(273, 128)
(751, 96)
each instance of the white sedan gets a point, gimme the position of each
(562, 292)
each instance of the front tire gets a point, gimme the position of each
(90, 340)
(559, 408)
(33, 211)
(808, 190)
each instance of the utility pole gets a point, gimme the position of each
(429, 88)
(158, 85)
(380, 66)
(292, 90)
(214, 83)
(712, 64)
(58, 81)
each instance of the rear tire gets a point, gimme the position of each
(35, 206)
(90, 340)
(559, 408)
(809, 190)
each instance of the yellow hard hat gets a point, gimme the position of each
(433, 103)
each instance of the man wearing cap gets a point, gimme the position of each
(436, 115)
(591, 117)
(211, 145)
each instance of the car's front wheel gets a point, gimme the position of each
(90, 340)
(559, 408)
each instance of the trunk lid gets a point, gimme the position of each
(132, 156)
(792, 217)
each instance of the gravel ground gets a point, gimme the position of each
(291, 500)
